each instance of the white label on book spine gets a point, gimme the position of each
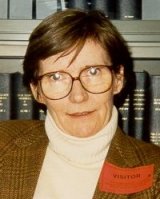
(63, 4)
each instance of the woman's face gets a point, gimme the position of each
(80, 114)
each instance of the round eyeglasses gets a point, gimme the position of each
(94, 79)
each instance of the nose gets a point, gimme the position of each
(78, 94)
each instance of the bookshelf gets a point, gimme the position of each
(143, 37)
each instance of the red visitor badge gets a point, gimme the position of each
(125, 180)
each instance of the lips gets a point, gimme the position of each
(81, 114)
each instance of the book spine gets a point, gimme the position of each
(33, 9)
(5, 96)
(124, 115)
(3, 9)
(82, 4)
(107, 6)
(138, 125)
(45, 8)
(23, 105)
(154, 116)
(20, 9)
(63, 4)
(128, 9)
(151, 10)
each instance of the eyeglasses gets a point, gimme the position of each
(94, 79)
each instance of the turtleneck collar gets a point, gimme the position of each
(81, 151)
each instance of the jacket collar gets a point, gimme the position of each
(122, 153)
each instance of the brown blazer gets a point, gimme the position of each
(22, 149)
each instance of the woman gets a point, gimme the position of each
(76, 63)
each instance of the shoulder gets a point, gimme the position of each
(147, 152)
(13, 129)
(143, 146)
(20, 123)
(135, 151)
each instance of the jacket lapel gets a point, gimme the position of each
(120, 154)
(22, 164)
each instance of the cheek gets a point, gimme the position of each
(106, 110)
(104, 103)
(108, 103)
(106, 98)
(56, 108)
(53, 106)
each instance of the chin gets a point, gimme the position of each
(82, 133)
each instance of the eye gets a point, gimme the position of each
(56, 76)
(94, 70)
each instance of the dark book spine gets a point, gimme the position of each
(107, 6)
(138, 124)
(33, 9)
(5, 96)
(155, 110)
(23, 105)
(124, 115)
(128, 9)
(81, 4)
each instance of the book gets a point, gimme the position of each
(46, 7)
(151, 10)
(23, 106)
(82, 4)
(20, 9)
(124, 115)
(5, 96)
(154, 109)
(107, 6)
(33, 9)
(128, 9)
(3, 9)
(139, 98)
(123, 102)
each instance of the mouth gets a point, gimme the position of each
(81, 114)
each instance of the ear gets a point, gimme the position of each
(36, 93)
(118, 81)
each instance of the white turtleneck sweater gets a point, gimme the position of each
(72, 165)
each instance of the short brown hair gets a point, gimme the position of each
(64, 30)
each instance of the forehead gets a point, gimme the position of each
(91, 54)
